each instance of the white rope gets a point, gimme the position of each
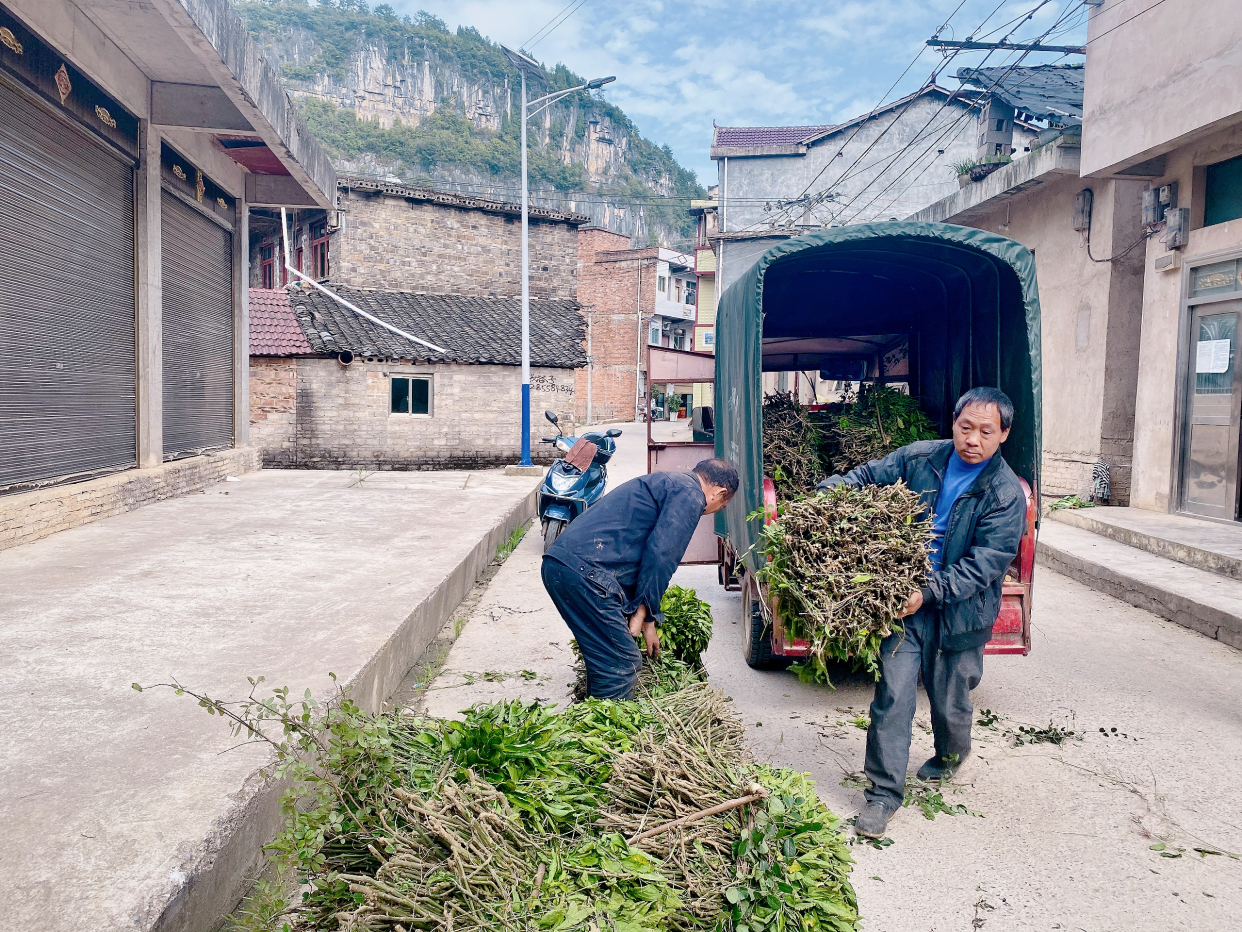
(284, 236)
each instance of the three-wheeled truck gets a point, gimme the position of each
(937, 308)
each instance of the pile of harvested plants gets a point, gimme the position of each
(801, 447)
(870, 425)
(634, 816)
(841, 564)
(791, 446)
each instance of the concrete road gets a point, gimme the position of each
(1063, 835)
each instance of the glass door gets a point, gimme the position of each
(1214, 402)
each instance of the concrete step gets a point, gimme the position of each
(1195, 598)
(1214, 546)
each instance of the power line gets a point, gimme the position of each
(825, 194)
(1000, 78)
(1124, 21)
(883, 97)
(994, 83)
(554, 23)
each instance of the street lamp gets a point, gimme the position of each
(524, 63)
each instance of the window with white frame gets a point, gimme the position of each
(653, 335)
(411, 394)
(661, 284)
(709, 337)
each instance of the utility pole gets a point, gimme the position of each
(525, 63)
(525, 295)
(1012, 46)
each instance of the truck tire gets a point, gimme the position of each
(757, 637)
(551, 531)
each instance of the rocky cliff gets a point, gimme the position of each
(406, 97)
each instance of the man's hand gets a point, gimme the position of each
(637, 619)
(652, 638)
(913, 603)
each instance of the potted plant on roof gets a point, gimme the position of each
(962, 170)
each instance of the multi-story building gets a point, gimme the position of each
(707, 216)
(779, 181)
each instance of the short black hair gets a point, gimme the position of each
(718, 473)
(985, 395)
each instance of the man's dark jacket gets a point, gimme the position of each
(630, 542)
(981, 540)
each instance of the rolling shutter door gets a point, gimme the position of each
(67, 301)
(198, 331)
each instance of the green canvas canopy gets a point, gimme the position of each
(965, 299)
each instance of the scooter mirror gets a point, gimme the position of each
(550, 416)
(615, 432)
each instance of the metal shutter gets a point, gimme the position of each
(67, 308)
(198, 332)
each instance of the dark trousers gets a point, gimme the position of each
(948, 676)
(593, 612)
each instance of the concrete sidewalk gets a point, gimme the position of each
(123, 810)
(1188, 570)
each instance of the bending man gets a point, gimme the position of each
(979, 508)
(608, 570)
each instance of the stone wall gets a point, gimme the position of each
(317, 414)
(388, 242)
(608, 290)
(29, 516)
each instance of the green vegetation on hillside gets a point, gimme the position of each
(448, 138)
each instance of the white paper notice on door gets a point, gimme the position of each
(1212, 356)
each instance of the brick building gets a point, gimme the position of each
(403, 238)
(330, 389)
(632, 298)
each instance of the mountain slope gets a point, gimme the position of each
(408, 97)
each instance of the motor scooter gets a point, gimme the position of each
(568, 490)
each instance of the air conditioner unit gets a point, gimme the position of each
(666, 326)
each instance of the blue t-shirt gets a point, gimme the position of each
(958, 477)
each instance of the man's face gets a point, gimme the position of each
(977, 433)
(717, 498)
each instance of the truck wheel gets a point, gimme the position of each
(551, 531)
(757, 636)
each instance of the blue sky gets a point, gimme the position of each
(679, 66)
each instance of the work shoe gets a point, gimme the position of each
(937, 768)
(872, 821)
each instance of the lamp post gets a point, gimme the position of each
(524, 63)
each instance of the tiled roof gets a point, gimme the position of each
(274, 331)
(473, 330)
(1046, 92)
(764, 135)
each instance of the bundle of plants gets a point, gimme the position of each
(684, 635)
(841, 565)
(687, 626)
(640, 815)
(791, 446)
(870, 425)
(665, 674)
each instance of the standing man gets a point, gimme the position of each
(978, 509)
(608, 570)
